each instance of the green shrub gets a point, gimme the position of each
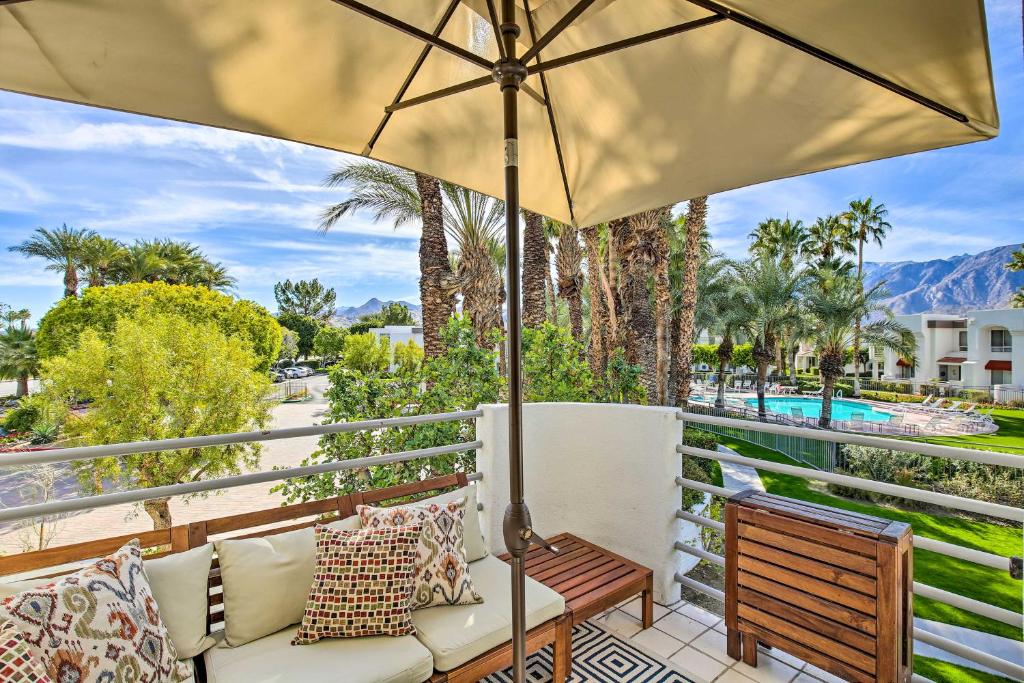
(554, 368)
(21, 418)
(890, 397)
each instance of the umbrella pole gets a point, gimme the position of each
(509, 73)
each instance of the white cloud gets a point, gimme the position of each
(22, 192)
(345, 264)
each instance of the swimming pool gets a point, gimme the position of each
(811, 407)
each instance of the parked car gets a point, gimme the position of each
(292, 372)
(276, 376)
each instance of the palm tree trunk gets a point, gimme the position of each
(70, 281)
(534, 256)
(720, 394)
(435, 268)
(762, 373)
(22, 389)
(856, 323)
(569, 263)
(549, 284)
(598, 351)
(662, 313)
(696, 218)
(828, 382)
(724, 351)
(793, 347)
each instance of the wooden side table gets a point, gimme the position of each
(831, 587)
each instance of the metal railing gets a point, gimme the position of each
(773, 430)
(82, 453)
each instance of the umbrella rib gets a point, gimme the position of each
(832, 59)
(553, 32)
(551, 115)
(415, 32)
(497, 30)
(564, 61)
(445, 18)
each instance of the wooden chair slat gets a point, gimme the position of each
(819, 570)
(841, 558)
(822, 589)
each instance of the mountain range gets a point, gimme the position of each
(346, 315)
(952, 285)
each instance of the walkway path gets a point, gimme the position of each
(740, 477)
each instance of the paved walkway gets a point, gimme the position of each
(741, 477)
(126, 519)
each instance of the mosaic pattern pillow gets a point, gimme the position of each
(17, 663)
(97, 625)
(442, 573)
(361, 584)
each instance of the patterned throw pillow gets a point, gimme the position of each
(17, 664)
(361, 585)
(99, 624)
(442, 573)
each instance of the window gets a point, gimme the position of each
(949, 373)
(963, 340)
(1001, 377)
(1001, 340)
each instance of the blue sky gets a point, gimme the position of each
(253, 203)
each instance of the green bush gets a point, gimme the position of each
(698, 469)
(554, 368)
(21, 418)
(100, 308)
(890, 397)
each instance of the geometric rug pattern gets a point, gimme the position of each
(599, 656)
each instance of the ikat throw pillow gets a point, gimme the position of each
(442, 573)
(362, 584)
(97, 625)
(17, 663)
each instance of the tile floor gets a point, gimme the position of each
(694, 638)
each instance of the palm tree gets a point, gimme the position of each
(18, 358)
(783, 239)
(767, 300)
(569, 264)
(635, 243)
(139, 263)
(601, 330)
(535, 252)
(721, 310)
(403, 196)
(62, 248)
(834, 310)
(214, 276)
(867, 220)
(99, 257)
(551, 305)
(696, 227)
(475, 222)
(829, 237)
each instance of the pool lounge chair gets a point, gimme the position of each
(953, 407)
(857, 420)
(817, 392)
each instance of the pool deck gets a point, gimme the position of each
(929, 422)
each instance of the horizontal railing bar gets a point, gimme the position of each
(138, 495)
(706, 488)
(1014, 671)
(699, 587)
(918, 678)
(1006, 616)
(920, 447)
(920, 542)
(701, 553)
(131, 448)
(961, 553)
(942, 499)
(475, 476)
(953, 599)
(702, 521)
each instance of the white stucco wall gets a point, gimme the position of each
(603, 472)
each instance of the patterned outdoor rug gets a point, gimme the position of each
(600, 656)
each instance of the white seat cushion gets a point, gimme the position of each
(457, 634)
(273, 659)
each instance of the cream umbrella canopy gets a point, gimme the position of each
(630, 104)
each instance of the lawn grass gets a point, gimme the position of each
(944, 672)
(956, 576)
(1009, 438)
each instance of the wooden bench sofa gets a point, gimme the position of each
(454, 644)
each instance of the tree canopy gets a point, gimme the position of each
(305, 297)
(195, 380)
(100, 308)
(329, 343)
(305, 328)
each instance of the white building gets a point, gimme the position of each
(399, 333)
(977, 349)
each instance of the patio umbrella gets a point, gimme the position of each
(629, 104)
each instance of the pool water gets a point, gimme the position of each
(841, 410)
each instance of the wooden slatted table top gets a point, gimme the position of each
(589, 577)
